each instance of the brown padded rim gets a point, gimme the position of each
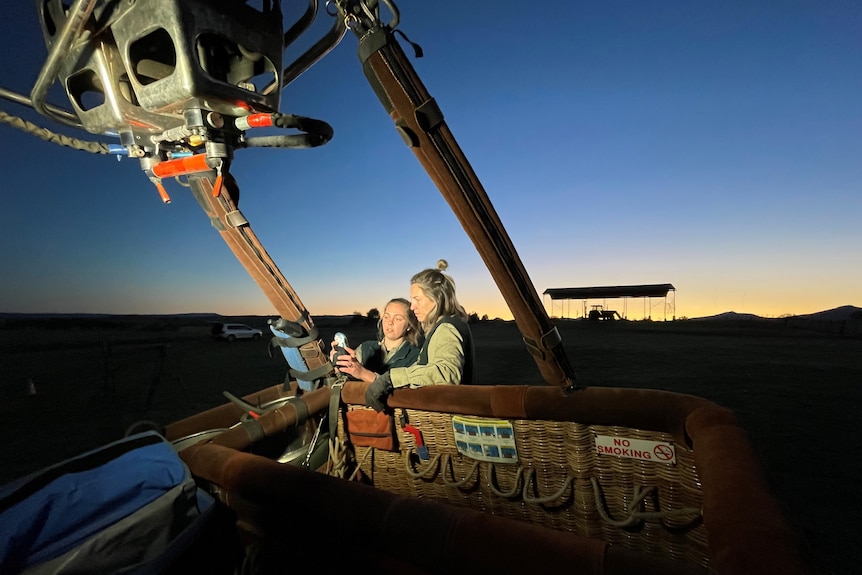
(376, 528)
(221, 416)
(747, 531)
(637, 408)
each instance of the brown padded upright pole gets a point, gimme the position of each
(421, 125)
(238, 235)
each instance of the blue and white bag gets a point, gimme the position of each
(128, 507)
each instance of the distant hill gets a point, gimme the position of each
(728, 316)
(842, 313)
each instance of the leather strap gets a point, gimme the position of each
(334, 404)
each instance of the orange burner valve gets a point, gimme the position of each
(255, 121)
(188, 165)
(185, 166)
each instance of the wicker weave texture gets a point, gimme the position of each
(560, 481)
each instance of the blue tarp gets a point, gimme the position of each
(60, 508)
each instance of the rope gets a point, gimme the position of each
(52, 137)
(337, 464)
(359, 465)
(426, 473)
(448, 460)
(633, 515)
(492, 483)
(527, 478)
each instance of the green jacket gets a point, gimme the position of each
(447, 357)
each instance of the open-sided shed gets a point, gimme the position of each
(598, 295)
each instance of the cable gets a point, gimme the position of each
(53, 137)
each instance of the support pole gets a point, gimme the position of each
(236, 231)
(420, 123)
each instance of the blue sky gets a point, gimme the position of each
(716, 146)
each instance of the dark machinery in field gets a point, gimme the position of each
(599, 313)
(587, 480)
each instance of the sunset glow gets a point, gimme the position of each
(712, 146)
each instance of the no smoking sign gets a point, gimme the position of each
(658, 451)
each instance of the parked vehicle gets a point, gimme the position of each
(234, 331)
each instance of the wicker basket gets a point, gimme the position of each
(558, 491)
(559, 481)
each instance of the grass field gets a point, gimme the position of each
(797, 392)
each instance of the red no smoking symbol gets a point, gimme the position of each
(663, 452)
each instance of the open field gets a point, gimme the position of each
(798, 392)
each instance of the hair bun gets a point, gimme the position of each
(442, 265)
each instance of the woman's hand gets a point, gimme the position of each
(332, 345)
(347, 363)
(340, 352)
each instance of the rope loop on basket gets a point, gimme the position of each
(447, 462)
(633, 515)
(430, 470)
(528, 478)
(368, 451)
(492, 483)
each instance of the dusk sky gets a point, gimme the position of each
(716, 146)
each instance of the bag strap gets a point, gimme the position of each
(334, 404)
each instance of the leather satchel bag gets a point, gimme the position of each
(370, 428)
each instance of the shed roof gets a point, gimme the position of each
(646, 290)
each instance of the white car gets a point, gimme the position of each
(234, 331)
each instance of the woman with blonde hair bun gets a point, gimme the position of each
(446, 356)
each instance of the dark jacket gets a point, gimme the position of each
(372, 356)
